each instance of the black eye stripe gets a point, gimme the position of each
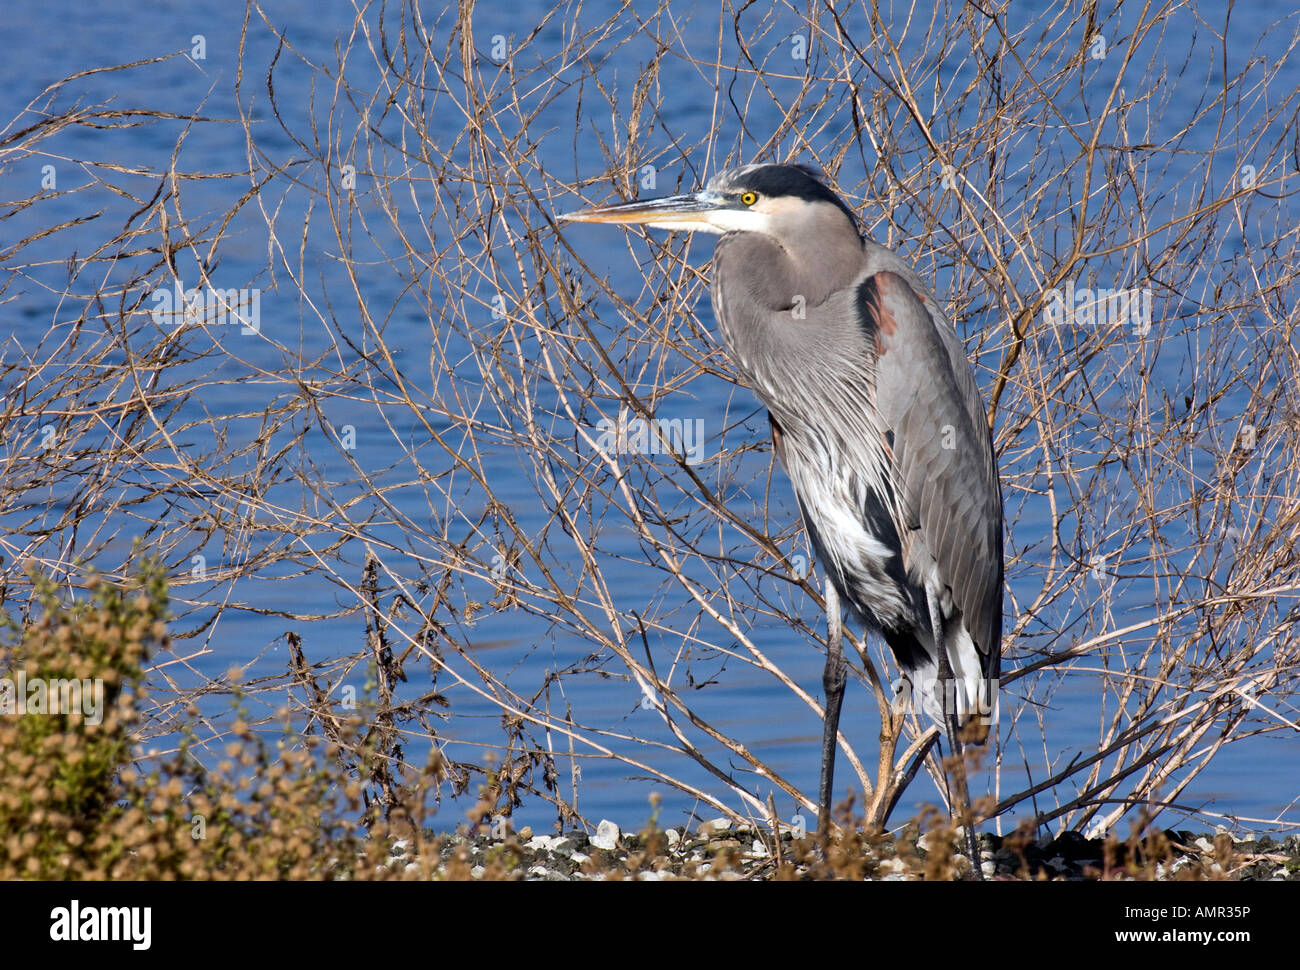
(776, 181)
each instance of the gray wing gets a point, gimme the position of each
(945, 474)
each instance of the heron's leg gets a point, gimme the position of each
(948, 685)
(833, 683)
(962, 800)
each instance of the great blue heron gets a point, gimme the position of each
(877, 419)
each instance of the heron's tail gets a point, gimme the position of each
(975, 692)
(967, 698)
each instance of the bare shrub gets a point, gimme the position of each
(521, 453)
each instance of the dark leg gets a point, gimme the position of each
(833, 683)
(961, 803)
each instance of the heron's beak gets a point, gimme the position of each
(676, 212)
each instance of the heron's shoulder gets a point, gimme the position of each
(881, 259)
(884, 268)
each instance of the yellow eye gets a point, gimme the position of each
(749, 198)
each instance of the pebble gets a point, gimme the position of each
(606, 836)
(546, 875)
(923, 843)
(713, 827)
(550, 843)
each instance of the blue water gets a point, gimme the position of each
(310, 320)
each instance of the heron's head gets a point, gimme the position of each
(786, 202)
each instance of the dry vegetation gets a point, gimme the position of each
(453, 488)
(73, 807)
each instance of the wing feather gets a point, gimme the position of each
(943, 454)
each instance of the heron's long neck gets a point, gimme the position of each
(753, 269)
(770, 309)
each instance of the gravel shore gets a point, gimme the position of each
(718, 850)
